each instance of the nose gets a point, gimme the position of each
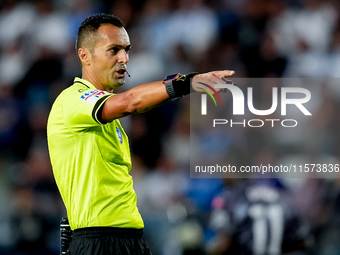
(123, 57)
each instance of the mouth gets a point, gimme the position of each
(121, 72)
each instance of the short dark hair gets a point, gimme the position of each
(88, 29)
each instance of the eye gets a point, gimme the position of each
(127, 49)
(114, 50)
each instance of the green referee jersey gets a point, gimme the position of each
(91, 161)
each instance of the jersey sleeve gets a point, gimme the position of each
(81, 108)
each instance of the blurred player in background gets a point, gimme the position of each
(88, 147)
(256, 217)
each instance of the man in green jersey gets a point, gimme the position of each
(88, 147)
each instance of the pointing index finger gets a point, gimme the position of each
(221, 74)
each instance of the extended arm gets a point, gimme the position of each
(144, 97)
(136, 100)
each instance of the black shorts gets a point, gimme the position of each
(107, 241)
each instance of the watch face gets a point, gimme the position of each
(172, 76)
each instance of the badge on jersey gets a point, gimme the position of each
(119, 135)
(93, 95)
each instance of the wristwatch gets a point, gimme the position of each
(171, 77)
(169, 86)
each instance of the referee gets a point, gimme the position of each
(88, 147)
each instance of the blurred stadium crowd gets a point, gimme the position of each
(256, 38)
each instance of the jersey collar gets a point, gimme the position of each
(84, 82)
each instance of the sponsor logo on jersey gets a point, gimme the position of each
(93, 95)
(119, 135)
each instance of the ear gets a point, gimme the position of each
(84, 56)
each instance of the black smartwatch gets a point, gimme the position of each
(178, 85)
(169, 85)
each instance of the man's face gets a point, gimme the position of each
(110, 56)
